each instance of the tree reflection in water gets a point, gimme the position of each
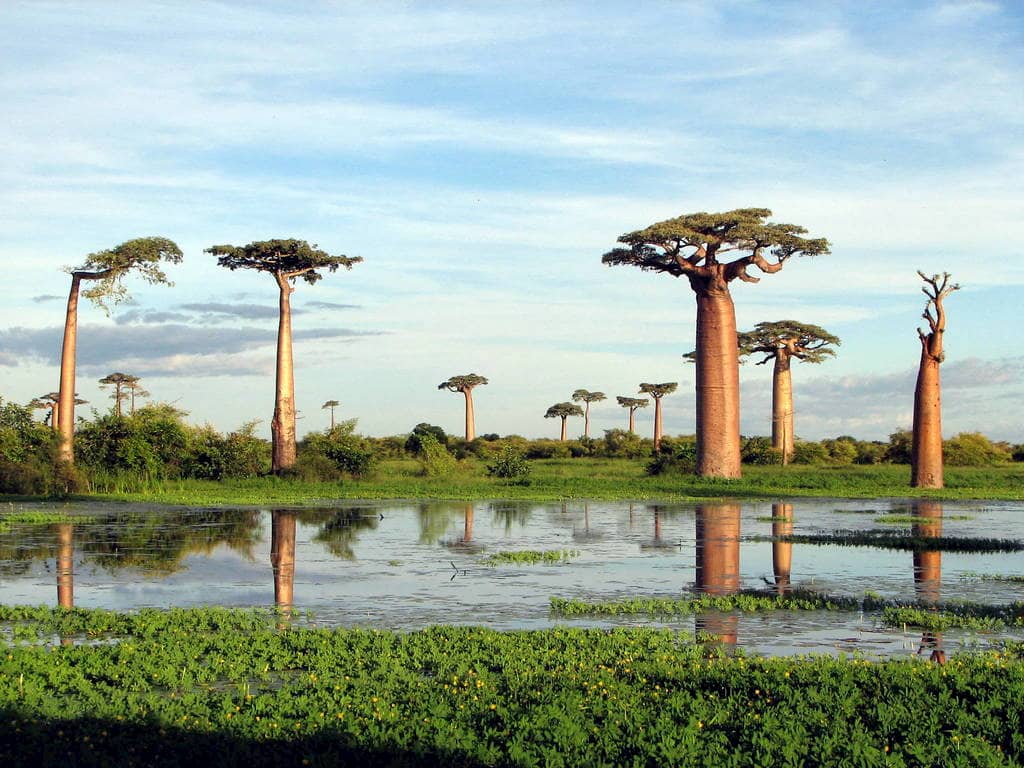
(928, 571)
(782, 551)
(718, 566)
(282, 558)
(339, 528)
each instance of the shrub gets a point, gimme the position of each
(510, 465)
(435, 461)
(547, 449)
(808, 452)
(674, 455)
(898, 451)
(412, 443)
(870, 453)
(758, 450)
(349, 453)
(840, 450)
(972, 449)
(623, 444)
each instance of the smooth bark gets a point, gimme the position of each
(657, 422)
(926, 468)
(782, 551)
(66, 396)
(282, 427)
(470, 416)
(586, 419)
(282, 557)
(928, 571)
(65, 565)
(632, 419)
(718, 384)
(782, 405)
(718, 564)
(563, 436)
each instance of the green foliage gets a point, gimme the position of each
(347, 453)
(288, 258)
(510, 465)
(531, 557)
(972, 449)
(658, 391)
(623, 444)
(26, 453)
(808, 452)
(412, 443)
(563, 411)
(463, 383)
(888, 539)
(840, 451)
(586, 396)
(547, 449)
(674, 456)
(212, 456)
(107, 268)
(434, 458)
(809, 343)
(899, 448)
(151, 444)
(758, 450)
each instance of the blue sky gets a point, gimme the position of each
(481, 158)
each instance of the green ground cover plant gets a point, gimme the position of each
(531, 557)
(241, 691)
(889, 539)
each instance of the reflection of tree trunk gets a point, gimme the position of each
(782, 406)
(928, 570)
(282, 557)
(467, 530)
(657, 423)
(282, 428)
(65, 565)
(562, 438)
(66, 396)
(782, 551)
(718, 564)
(470, 416)
(657, 525)
(718, 385)
(926, 448)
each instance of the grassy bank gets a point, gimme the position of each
(243, 692)
(593, 479)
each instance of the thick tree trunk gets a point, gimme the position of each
(282, 428)
(117, 399)
(65, 565)
(586, 419)
(467, 528)
(66, 396)
(632, 419)
(562, 438)
(470, 416)
(53, 415)
(926, 469)
(782, 406)
(718, 385)
(718, 564)
(282, 557)
(928, 571)
(657, 423)
(782, 551)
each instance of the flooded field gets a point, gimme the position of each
(401, 565)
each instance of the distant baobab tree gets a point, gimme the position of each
(332, 404)
(584, 396)
(49, 402)
(563, 411)
(465, 384)
(120, 382)
(632, 403)
(285, 260)
(107, 268)
(690, 246)
(135, 390)
(782, 341)
(658, 391)
(926, 469)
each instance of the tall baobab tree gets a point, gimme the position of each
(135, 389)
(465, 384)
(108, 269)
(332, 404)
(658, 391)
(120, 382)
(632, 403)
(691, 246)
(563, 411)
(584, 396)
(926, 444)
(286, 261)
(49, 402)
(783, 341)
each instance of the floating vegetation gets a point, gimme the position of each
(855, 511)
(246, 693)
(747, 601)
(1012, 578)
(9, 520)
(531, 557)
(885, 539)
(959, 615)
(916, 519)
(770, 519)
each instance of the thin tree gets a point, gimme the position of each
(465, 384)
(49, 402)
(107, 268)
(690, 246)
(135, 390)
(286, 261)
(632, 403)
(658, 391)
(120, 383)
(584, 396)
(563, 411)
(782, 342)
(926, 469)
(332, 404)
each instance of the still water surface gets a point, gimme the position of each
(405, 565)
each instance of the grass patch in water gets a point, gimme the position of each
(531, 557)
(883, 539)
(916, 519)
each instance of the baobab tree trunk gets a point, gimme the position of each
(282, 428)
(782, 551)
(926, 445)
(282, 557)
(66, 395)
(632, 419)
(586, 419)
(782, 406)
(65, 565)
(718, 385)
(53, 415)
(562, 438)
(467, 528)
(928, 571)
(657, 423)
(470, 416)
(718, 564)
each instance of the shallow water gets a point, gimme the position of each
(402, 565)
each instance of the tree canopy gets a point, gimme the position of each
(563, 410)
(462, 383)
(287, 259)
(142, 255)
(632, 402)
(585, 396)
(658, 391)
(810, 343)
(691, 245)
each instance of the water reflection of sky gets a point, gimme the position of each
(408, 565)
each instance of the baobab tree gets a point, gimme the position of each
(120, 382)
(582, 395)
(782, 342)
(135, 390)
(465, 384)
(332, 404)
(108, 268)
(658, 391)
(50, 402)
(563, 411)
(632, 403)
(692, 245)
(926, 444)
(286, 261)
